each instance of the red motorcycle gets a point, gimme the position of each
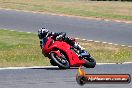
(64, 56)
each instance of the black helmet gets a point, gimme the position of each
(42, 32)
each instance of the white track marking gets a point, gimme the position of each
(90, 40)
(110, 43)
(75, 16)
(77, 38)
(127, 62)
(28, 32)
(105, 63)
(97, 41)
(84, 39)
(11, 68)
(130, 46)
(127, 22)
(8, 68)
(12, 30)
(123, 45)
(107, 20)
(115, 44)
(104, 42)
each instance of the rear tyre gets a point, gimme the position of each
(62, 62)
(90, 63)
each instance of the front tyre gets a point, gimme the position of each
(61, 62)
(53, 63)
(90, 63)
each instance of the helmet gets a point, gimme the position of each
(42, 32)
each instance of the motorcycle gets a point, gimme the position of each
(64, 56)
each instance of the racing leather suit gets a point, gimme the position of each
(60, 36)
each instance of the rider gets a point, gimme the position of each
(44, 33)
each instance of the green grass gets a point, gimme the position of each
(104, 9)
(108, 53)
(22, 49)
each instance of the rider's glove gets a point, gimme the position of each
(76, 44)
(59, 37)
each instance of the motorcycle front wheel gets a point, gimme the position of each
(91, 62)
(61, 62)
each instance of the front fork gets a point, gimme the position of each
(57, 52)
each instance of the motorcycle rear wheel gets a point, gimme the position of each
(58, 61)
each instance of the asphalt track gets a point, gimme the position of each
(106, 31)
(55, 78)
(114, 32)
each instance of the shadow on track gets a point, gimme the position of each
(53, 68)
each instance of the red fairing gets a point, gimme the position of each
(57, 46)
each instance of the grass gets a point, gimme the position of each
(22, 49)
(102, 9)
(108, 53)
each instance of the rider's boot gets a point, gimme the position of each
(79, 48)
